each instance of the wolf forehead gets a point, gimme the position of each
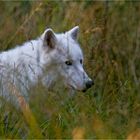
(69, 46)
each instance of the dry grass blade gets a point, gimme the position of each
(29, 117)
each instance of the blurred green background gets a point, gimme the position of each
(110, 39)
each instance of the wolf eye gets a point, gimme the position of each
(69, 63)
(81, 61)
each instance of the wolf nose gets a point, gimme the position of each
(89, 84)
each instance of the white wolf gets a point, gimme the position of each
(50, 58)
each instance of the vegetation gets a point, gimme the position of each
(109, 36)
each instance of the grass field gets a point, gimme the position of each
(110, 39)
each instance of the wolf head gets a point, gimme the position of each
(63, 58)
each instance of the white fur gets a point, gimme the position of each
(44, 58)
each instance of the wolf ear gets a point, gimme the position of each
(49, 38)
(74, 32)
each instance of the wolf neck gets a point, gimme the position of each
(26, 59)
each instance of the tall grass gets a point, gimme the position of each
(109, 36)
